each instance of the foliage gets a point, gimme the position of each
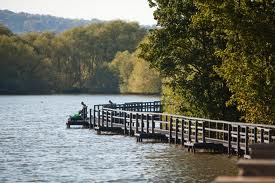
(144, 79)
(76, 60)
(184, 55)
(248, 29)
(21, 69)
(104, 80)
(123, 65)
(135, 74)
(217, 57)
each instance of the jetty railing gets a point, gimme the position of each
(136, 118)
(154, 106)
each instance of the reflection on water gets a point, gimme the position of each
(35, 146)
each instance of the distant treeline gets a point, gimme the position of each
(217, 58)
(99, 58)
(25, 22)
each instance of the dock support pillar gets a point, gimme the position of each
(94, 117)
(238, 140)
(153, 123)
(166, 120)
(131, 123)
(107, 118)
(182, 132)
(137, 125)
(189, 131)
(147, 123)
(246, 140)
(170, 129)
(196, 131)
(262, 135)
(125, 123)
(255, 135)
(229, 139)
(203, 132)
(177, 129)
(142, 123)
(160, 119)
(103, 118)
(90, 124)
(112, 118)
(98, 118)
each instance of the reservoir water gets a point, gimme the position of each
(35, 146)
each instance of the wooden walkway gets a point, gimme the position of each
(145, 121)
(84, 123)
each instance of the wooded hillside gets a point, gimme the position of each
(25, 22)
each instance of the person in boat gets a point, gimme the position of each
(84, 112)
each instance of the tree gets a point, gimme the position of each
(247, 59)
(184, 56)
(72, 61)
(123, 65)
(144, 79)
(21, 68)
(104, 80)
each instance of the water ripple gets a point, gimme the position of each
(35, 146)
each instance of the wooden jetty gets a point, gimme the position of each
(155, 136)
(84, 123)
(145, 120)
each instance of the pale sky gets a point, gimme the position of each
(130, 10)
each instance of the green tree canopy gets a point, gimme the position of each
(184, 55)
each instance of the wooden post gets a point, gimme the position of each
(98, 118)
(102, 121)
(203, 132)
(90, 126)
(216, 131)
(189, 131)
(177, 129)
(142, 123)
(238, 140)
(112, 118)
(120, 115)
(94, 117)
(131, 123)
(246, 140)
(182, 132)
(269, 136)
(262, 135)
(196, 131)
(170, 129)
(229, 139)
(153, 123)
(160, 119)
(107, 119)
(166, 120)
(255, 135)
(125, 121)
(223, 127)
(137, 123)
(147, 123)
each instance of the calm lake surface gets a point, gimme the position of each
(35, 146)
